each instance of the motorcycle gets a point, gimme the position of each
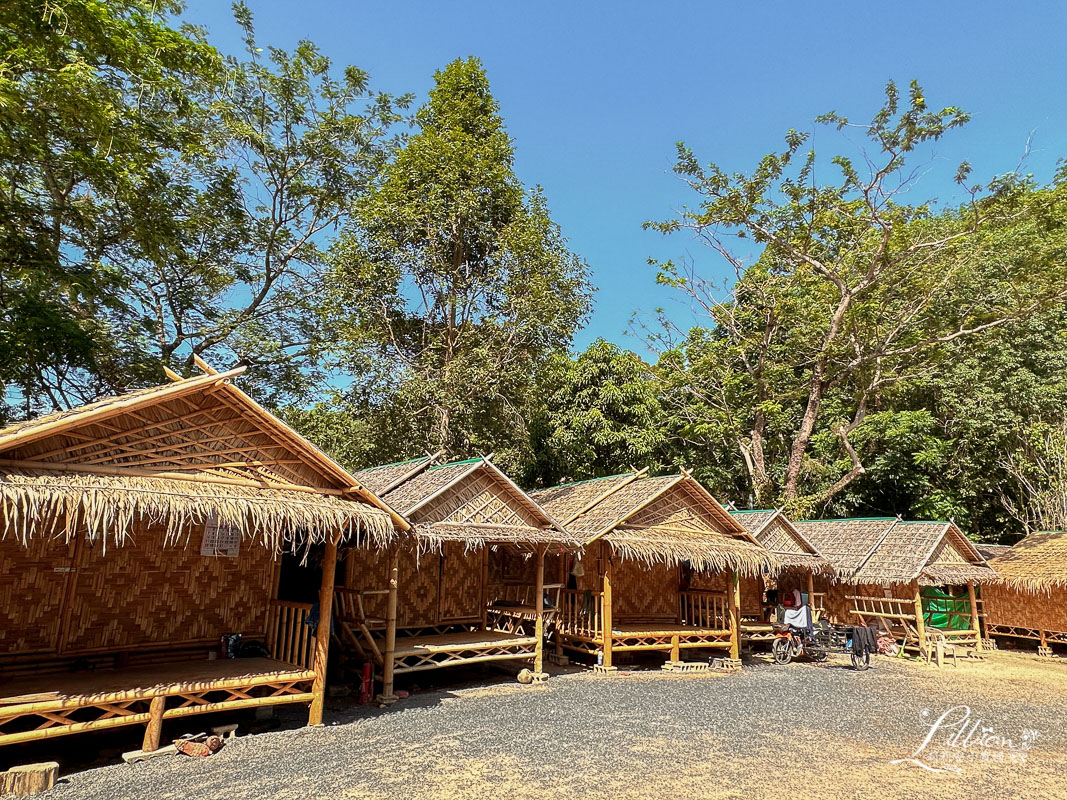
(790, 642)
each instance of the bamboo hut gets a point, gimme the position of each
(914, 579)
(137, 531)
(652, 545)
(801, 562)
(1031, 601)
(468, 589)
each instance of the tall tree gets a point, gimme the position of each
(853, 290)
(291, 144)
(454, 283)
(94, 99)
(601, 415)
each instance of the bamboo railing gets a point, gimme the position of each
(571, 621)
(289, 638)
(704, 609)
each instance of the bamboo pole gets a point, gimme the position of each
(920, 624)
(973, 600)
(390, 626)
(155, 724)
(734, 598)
(484, 589)
(539, 605)
(811, 590)
(561, 599)
(606, 600)
(322, 635)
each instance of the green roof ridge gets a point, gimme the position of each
(751, 510)
(587, 480)
(394, 464)
(846, 519)
(456, 463)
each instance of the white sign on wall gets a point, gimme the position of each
(220, 539)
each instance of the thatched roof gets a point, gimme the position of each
(775, 531)
(470, 501)
(668, 519)
(991, 551)
(388, 476)
(1037, 563)
(888, 551)
(179, 454)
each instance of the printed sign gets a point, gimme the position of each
(220, 539)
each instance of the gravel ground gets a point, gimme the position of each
(804, 730)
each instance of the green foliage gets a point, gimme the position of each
(855, 299)
(602, 416)
(453, 284)
(94, 99)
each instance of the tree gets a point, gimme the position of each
(852, 292)
(453, 283)
(290, 148)
(94, 99)
(600, 415)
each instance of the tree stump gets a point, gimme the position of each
(29, 779)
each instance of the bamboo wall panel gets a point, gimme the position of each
(461, 583)
(1005, 606)
(144, 593)
(641, 592)
(417, 595)
(31, 593)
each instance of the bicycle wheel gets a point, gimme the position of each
(782, 651)
(861, 662)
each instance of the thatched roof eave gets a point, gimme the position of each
(109, 508)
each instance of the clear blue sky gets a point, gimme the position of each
(596, 94)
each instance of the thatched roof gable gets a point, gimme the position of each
(193, 449)
(845, 543)
(668, 519)
(471, 501)
(387, 477)
(568, 500)
(1037, 563)
(898, 551)
(775, 531)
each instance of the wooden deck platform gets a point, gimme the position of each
(432, 651)
(57, 705)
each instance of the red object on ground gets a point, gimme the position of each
(400, 693)
(366, 688)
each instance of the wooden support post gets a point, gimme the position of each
(155, 724)
(322, 635)
(539, 606)
(561, 595)
(920, 624)
(811, 592)
(974, 616)
(733, 596)
(676, 654)
(606, 599)
(390, 628)
(485, 587)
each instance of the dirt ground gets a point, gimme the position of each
(802, 730)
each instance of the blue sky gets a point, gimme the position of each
(596, 94)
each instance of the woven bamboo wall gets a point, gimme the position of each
(1004, 606)
(461, 583)
(417, 593)
(139, 595)
(838, 608)
(31, 594)
(434, 589)
(640, 591)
